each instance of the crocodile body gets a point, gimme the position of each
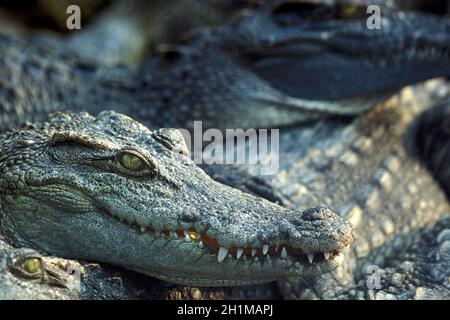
(368, 170)
(178, 88)
(421, 272)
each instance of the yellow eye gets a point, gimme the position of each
(32, 265)
(131, 161)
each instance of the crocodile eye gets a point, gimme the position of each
(297, 12)
(131, 161)
(350, 11)
(32, 265)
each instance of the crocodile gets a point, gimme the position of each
(26, 274)
(278, 60)
(369, 170)
(361, 204)
(118, 186)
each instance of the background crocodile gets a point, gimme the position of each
(175, 90)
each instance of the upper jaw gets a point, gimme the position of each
(309, 242)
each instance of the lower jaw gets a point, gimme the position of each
(232, 280)
(199, 281)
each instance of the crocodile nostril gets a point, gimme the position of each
(317, 213)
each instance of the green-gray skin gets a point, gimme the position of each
(108, 189)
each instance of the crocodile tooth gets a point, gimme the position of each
(284, 254)
(268, 258)
(253, 252)
(339, 258)
(256, 259)
(310, 258)
(326, 255)
(297, 265)
(157, 233)
(142, 229)
(239, 253)
(187, 238)
(222, 254)
(200, 244)
(265, 249)
(174, 235)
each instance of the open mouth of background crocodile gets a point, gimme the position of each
(248, 253)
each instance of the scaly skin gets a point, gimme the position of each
(181, 224)
(420, 273)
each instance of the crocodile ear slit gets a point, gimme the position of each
(172, 139)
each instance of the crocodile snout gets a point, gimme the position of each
(316, 233)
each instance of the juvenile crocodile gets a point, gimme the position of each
(108, 189)
(26, 274)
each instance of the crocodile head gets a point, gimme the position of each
(108, 189)
(317, 50)
(26, 274)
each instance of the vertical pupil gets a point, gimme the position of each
(131, 161)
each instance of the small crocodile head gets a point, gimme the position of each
(317, 50)
(108, 189)
(26, 274)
